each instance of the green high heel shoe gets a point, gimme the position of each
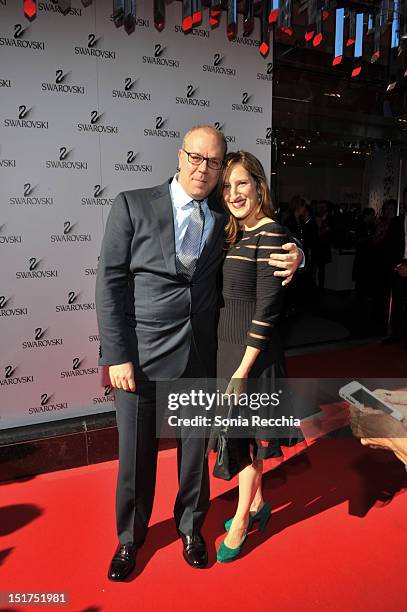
(262, 517)
(226, 554)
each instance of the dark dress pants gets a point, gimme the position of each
(138, 447)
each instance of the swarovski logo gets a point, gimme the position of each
(95, 117)
(39, 333)
(69, 235)
(47, 404)
(41, 341)
(73, 305)
(8, 238)
(191, 91)
(61, 86)
(267, 140)
(190, 98)
(92, 41)
(245, 105)
(96, 125)
(106, 397)
(44, 399)
(63, 153)
(220, 126)
(129, 83)
(76, 363)
(23, 111)
(92, 49)
(160, 122)
(27, 200)
(60, 76)
(18, 40)
(11, 377)
(158, 50)
(268, 74)
(158, 58)
(64, 162)
(68, 227)
(129, 93)
(246, 41)
(34, 270)
(72, 297)
(99, 197)
(131, 166)
(7, 311)
(78, 370)
(9, 371)
(218, 67)
(63, 8)
(18, 30)
(200, 32)
(33, 263)
(22, 122)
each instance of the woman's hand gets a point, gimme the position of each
(237, 384)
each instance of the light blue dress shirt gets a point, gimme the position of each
(182, 208)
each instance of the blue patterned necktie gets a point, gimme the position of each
(189, 250)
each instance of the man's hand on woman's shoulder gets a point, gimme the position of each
(288, 262)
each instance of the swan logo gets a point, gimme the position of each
(20, 39)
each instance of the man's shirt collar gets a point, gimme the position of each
(180, 198)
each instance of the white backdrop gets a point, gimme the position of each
(85, 112)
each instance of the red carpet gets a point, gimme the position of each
(367, 360)
(336, 541)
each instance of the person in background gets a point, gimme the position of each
(363, 272)
(301, 223)
(322, 248)
(381, 265)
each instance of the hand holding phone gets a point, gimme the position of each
(359, 396)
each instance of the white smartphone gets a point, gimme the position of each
(357, 395)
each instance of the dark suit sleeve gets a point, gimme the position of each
(112, 282)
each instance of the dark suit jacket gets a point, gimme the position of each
(147, 313)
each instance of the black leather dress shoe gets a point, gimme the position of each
(123, 562)
(195, 553)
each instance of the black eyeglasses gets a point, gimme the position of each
(196, 160)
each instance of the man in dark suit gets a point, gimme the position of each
(397, 263)
(156, 300)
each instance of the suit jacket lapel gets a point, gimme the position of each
(162, 206)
